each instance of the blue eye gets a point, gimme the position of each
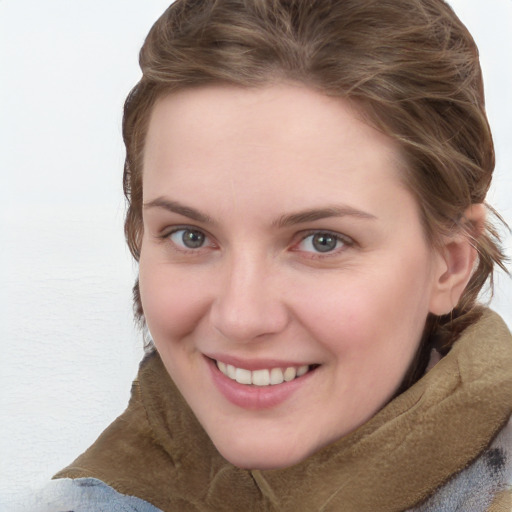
(188, 238)
(321, 242)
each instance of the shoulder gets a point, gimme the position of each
(86, 495)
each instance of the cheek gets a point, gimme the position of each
(370, 317)
(173, 300)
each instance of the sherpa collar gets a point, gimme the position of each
(158, 451)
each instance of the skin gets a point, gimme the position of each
(258, 288)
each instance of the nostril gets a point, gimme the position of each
(248, 321)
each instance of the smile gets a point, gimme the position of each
(263, 377)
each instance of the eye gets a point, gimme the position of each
(188, 238)
(321, 242)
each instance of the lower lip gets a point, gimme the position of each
(255, 397)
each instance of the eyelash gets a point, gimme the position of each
(344, 240)
(191, 229)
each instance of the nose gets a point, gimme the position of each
(249, 304)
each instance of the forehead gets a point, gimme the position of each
(277, 114)
(284, 141)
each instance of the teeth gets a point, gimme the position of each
(243, 376)
(302, 370)
(276, 376)
(290, 374)
(230, 371)
(262, 377)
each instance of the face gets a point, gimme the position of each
(284, 273)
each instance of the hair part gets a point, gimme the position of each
(410, 66)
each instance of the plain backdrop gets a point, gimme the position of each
(69, 349)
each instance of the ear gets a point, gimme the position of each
(455, 262)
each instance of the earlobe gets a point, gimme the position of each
(456, 261)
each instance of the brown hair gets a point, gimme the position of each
(410, 65)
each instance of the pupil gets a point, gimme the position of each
(324, 242)
(193, 239)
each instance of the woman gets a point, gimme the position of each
(306, 186)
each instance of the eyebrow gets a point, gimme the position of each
(322, 213)
(181, 209)
(283, 221)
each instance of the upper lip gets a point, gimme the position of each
(255, 364)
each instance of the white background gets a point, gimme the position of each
(68, 348)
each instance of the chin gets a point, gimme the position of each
(262, 458)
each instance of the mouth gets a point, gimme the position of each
(264, 377)
(267, 384)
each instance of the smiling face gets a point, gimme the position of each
(284, 272)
